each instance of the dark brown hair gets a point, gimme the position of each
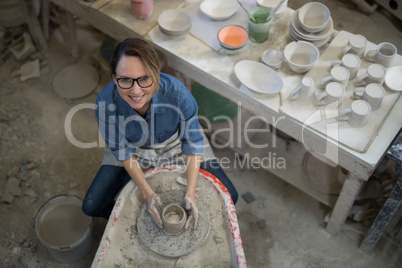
(143, 50)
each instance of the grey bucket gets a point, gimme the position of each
(72, 251)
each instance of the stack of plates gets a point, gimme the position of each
(297, 32)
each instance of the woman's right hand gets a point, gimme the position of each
(154, 202)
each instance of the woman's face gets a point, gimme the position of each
(139, 98)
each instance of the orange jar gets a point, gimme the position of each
(142, 9)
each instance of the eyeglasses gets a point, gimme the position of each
(127, 83)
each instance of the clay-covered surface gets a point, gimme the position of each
(121, 243)
(172, 245)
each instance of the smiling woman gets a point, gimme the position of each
(130, 70)
(147, 118)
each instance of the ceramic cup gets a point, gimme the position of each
(373, 93)
(351, 62)
(375, 74)
(384, 54)
(356, 45)
(173, 218)
(357, 114)
(337, 74)
(303, 92)
(334, 91)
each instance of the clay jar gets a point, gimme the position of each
(142, 9)
(174, 218)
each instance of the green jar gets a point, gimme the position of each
(259, 28)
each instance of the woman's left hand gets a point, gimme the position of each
(193, 210)
(153, 206)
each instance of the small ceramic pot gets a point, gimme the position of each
(174, 218)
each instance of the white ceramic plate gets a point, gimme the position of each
(393, 78)
(258, 77)
(219, 9)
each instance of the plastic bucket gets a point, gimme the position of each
(64, 229)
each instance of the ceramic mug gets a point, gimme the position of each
(375, 74)
(351, 62)
(334, 91)
(173, 218)
(337, 74)
(357, 114)
(384, 54)
(303, 92)
(372, 93)
(356, 45)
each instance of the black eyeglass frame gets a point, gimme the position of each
(133, 81)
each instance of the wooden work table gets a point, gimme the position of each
(214, 70)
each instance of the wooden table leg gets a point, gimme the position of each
(33, 24)
(72, 33)
(350, 190)
(45, 18)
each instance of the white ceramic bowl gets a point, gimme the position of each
(271, 4)
(174, 22)
(301, 56)
(308, 36)
(314, 16)
(219, 9)
(258, 77)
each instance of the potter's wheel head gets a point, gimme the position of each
(172, 245)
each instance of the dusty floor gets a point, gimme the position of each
(281, 228)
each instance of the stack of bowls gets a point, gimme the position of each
(312, 23)
(314, 17)
(174, 23)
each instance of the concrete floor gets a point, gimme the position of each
(283, 227)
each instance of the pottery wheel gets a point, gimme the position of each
(76, 80)
(172, 245)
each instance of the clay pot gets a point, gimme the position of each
(174, 218)
(142, 9)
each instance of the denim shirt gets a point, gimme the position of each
(173, 111)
